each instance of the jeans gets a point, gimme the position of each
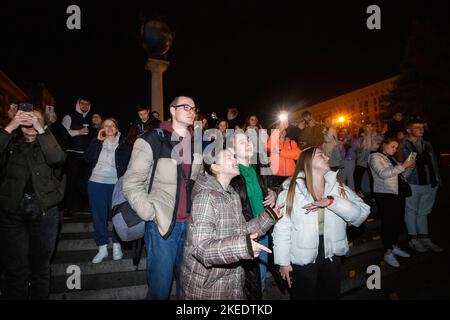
(391, 208)
(318, 280)
(27, 239)
(263, 260)
(346, 173)
(358, 177)
(164, 258)
(418, 206)
(100, 198)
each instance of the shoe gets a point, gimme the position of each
(102, 254)
(417, 245)
(391, 260)
(399, 252)
(117, 251)
(426, 242)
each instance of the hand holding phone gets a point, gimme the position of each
(26, 107)
(412, 156)
(101, 135)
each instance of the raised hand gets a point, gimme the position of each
(285, 273)
(101, 135)
(257, 248)
(36, 123)
(271, 198)
(20, 119)
(316, 204)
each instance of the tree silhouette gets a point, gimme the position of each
(423, 87)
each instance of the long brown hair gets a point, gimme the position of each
(304, 163)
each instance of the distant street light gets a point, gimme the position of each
(283, 116)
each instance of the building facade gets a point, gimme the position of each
(11, 92)
(354, 108)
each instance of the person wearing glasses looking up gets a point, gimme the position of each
(167, 207)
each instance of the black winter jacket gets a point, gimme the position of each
(122, 155)
(20, 160)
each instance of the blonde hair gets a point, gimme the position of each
(304, 163)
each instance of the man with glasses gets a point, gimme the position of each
(167, 206)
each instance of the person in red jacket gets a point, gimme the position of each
(284, 152)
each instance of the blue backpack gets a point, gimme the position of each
(128, 225)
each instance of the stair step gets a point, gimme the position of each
(86, 255)
(138, 292)
(78, 244)
(80, 235)
(79, 227)
(106, 266)
(101, 281)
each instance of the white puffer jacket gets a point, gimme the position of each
(296, 237)
(385, 175)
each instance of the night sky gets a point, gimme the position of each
(259, 56)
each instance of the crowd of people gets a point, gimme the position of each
(214, 221)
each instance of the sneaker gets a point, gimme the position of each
(417, 245)
(426, 242)
(399, 252)
(117, 251)
(102, 254)
(391, 260)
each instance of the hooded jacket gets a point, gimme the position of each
(282, 155)
(73, 123)
(296, 236)
(161, 204)
(218, 239)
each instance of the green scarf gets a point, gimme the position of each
(254, 192)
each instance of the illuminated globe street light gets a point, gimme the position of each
(156, 38)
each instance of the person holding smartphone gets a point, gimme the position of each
(29, 195)
(102, 155)
(390, 191)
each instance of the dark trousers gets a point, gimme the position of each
(358, 176)
(77, 178)
(392, 211)
(319, 280)
(100, 198)
(27, 239)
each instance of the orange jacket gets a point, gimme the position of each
(282, 161)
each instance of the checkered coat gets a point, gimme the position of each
(217, 241)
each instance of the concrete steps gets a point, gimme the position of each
(121, 280)
(125, 293)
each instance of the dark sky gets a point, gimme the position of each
(257, 55)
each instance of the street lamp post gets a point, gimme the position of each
(157, 38)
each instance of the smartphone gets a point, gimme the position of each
(26, 107)
(412, 156)
(50, 109)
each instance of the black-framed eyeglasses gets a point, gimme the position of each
(186, 107)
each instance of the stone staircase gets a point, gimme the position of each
(121, 280)
(108, 280)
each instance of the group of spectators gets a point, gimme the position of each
(215, 224)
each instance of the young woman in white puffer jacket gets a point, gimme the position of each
(311, 236)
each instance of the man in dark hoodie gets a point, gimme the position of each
(167, 207)
(77, 125)
(146, 123)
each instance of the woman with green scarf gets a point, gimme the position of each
(255, 195)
